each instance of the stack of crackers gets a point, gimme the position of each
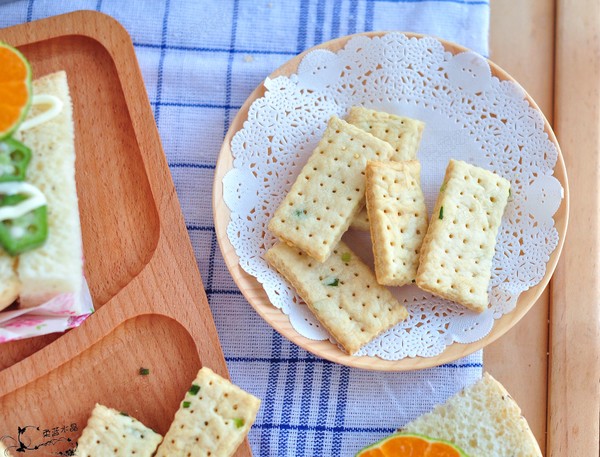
(364, 174)
(214, 418)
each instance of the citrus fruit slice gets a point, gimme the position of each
(405, 445)
(15, 89)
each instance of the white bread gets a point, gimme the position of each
(10, 286)
(483, 420)
(57, 266)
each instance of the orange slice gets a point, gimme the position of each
(405, 445)
(15, 89)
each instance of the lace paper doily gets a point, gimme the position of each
(469, 114)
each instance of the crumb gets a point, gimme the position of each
(248, 59)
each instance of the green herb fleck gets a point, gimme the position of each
(334, 282)
(122, 413)
(443, 188)
(346, 256)
(194, 389)
(509, 194)
(39, 327)
(300, 213)
(144, 371)
(441, 212)
(239, 423)
(186, 404)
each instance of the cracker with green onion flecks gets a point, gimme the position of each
(329, 191)
(457, 252)
(398, 217)
(109, 432)
(214, 418)
(342, 292)
(403, 133)
(4, 452)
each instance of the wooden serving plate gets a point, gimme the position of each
(151, 309)
(257, 297)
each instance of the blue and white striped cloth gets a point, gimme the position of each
(200, 61)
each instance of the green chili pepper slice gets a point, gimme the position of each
(14, 158)
(23, 233)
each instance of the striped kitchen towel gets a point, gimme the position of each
(200, 61)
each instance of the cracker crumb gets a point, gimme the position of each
(248, 59)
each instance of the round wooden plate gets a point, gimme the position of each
(257, 297)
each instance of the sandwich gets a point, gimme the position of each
(40, 234)
(481, 421)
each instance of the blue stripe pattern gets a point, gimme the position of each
(161, 62)
(200, 61)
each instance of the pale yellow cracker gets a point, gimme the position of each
(361, 221)
(342, 293)
(456, 256)
(4, 452)
(214, 418)
(329, 191)
(403, 133)
(398, 217)
(109, 432)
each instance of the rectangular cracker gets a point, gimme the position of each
(398, 215)
(329, 191)
(4, 452)
(342, 293)
(109, 432)
(214, 418)
(361, 221)
(403, 133)
(456, 256)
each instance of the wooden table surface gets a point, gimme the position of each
(550, 361)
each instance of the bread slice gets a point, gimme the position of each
(483, 420)
(10, 286)
(57, 266)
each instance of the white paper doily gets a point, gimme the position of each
(469, 114)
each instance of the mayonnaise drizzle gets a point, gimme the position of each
(56, 106)
(35, 199)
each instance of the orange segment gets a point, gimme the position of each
(442, 450)
(410, 446)
(405, 445)
(15, 89)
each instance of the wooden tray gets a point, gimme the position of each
(256, 295)
(151, 309)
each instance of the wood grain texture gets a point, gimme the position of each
(574, 375)
(522, 42)
(151, 309)
(255, 294)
